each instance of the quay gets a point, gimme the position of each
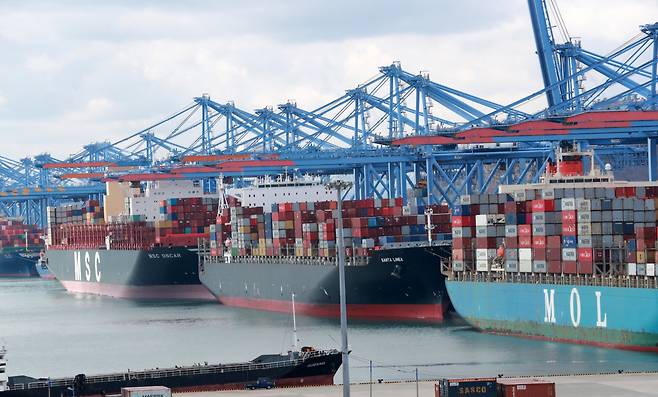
(603, 385)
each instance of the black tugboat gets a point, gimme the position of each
(305, 367)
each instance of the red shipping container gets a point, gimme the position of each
(539, 242)
(645, 233)
(511, 242)
(619, 192)
(543, 205)
(525, 388)
(460, 243)
(585, 268)
(485, 242)
(525, 242)
(569, 217)
(569, 267)
(631, 256)
(553, 242)
(461, 254)
(463, 221)
(539, 254)
(554, 266)
(569, 230)
(553, 254)
(585, 255)
(524, 230)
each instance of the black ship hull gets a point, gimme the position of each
(316, 368)
(18, 265)
(402, 284)
(158, 273)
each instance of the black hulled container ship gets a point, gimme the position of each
(303, 368)
(143, 247)
(257, 259)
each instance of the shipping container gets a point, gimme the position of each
(525, 388)
(485, 387)
(146, 391)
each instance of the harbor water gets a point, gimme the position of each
(49, 332)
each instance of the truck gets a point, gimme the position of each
(261, 383)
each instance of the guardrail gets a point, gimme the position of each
(621, 281)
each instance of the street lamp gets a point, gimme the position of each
(340, 186)
(430, 227)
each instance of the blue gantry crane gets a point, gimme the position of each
(398, 132)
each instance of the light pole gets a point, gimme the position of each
(430, 227)
(339, 186)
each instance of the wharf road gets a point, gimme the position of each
(618, 385)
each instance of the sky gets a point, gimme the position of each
(76, 72)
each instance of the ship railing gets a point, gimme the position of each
(206, 257)
(170, 372)
(623, 281)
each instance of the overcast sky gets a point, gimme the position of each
(74, 72)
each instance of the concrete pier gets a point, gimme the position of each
(617, 385)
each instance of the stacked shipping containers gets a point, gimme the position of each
(184, 220)
(309, 229)
(555, 230)
(15, 233)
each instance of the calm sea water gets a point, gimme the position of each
(49, 332)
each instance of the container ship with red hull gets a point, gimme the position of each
(144, 273)
(140, 245)
(260, 253)
(393, 284)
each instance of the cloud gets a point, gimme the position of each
(76, 72)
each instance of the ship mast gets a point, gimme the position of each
(294, 325)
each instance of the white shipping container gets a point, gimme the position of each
(481, 254)
(481, 220)
(147, 391)
(525, 254)
(651, 269)
(568, 204)
(482, 265)
(525, 266)
(582, 204)
(632, 269)
(584, 229)
(569, 254)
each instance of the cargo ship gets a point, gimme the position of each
(141, 244)
(569, 259)
(297, 368)
(20, 245)
(259, 255)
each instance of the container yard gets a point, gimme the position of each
(401, 204)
